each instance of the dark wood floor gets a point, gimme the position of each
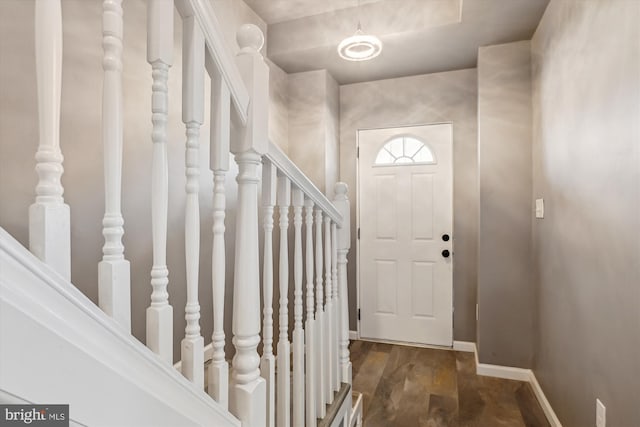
(419, 387)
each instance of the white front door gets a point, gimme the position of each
(406, 221)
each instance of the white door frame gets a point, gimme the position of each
(453, 231)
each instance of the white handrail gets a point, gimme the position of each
(220, 53)
(289, 169)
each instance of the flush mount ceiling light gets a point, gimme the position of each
(360, 46)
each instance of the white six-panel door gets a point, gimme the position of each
(406, 221)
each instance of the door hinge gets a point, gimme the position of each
(358, 314)
(358, 233)
(357, 152)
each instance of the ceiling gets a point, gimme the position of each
(419, 36)
(274, 11)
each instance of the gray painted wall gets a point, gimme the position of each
(81, 141)
(313, 126)
(505, 287)
(432, 98)
(586, 103)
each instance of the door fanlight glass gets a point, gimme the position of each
(404, 150)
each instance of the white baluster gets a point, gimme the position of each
(192, 345)
(310, 338)
(283, 400)
(248, 392)
(320, 345)
(341, 202)
(49, 216)
(336, 307)
(298, 333)
(218, 387)
(268, 362)
(328, 317)
(159, 55)
(114, 277)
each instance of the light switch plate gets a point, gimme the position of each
(539, 208)
(601, 414)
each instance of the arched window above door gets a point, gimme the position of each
(404, 150)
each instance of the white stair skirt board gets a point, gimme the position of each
(85, 347)
(511, 373)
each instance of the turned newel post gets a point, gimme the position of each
(247, 399)
(49, 216)
(159, 55)
(341, 202)
(114, 279)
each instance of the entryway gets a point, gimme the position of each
(405, 178)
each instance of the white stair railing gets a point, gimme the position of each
(310, 337)
(218, 386)
(283, 371)
(264, 389)
(114, 277)
(328, 318)
(193, 54)
(298, 331)
(321, 373)
(160, 57)
(49, 216)
(317, 343)
(268, 361)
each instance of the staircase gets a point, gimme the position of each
(59, 347)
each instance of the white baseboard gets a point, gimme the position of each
(542, 399)
(353, 335)
(506, 372)
(208, 355)
(511, 373)
(466, 346)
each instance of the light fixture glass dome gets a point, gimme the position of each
(360, 46)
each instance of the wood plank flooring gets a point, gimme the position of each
(420, 387)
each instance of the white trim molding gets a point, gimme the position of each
(542, 400)
(511, 373)
(353, 335)
(466, 346)
(506, 372)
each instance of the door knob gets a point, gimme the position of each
(445, 237)
(446, 253)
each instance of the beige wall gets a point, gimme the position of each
(586, 104)
(505, 288)
(432, 98)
